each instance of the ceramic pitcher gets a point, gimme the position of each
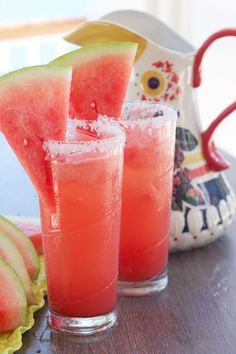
(167, 68)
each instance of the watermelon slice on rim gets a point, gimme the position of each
(34, 106)
(100, 78)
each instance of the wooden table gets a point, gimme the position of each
(195, 314)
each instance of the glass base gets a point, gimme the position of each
(145, 287)
(82, 326)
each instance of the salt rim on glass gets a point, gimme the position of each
(84, 136)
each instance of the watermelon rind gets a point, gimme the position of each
(93, 51)
(31, 227)
(32, 72)
(16, 310)
(11, 341)
(24, 245)
(10, 254)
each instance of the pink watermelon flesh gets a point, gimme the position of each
(37, 241)
(34, 106)
(13, 304)
(100, 77)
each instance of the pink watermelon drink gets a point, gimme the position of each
(81, 235)
(34, 107)
(147, 187)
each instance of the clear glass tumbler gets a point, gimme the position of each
(81, 227)
(146, 197)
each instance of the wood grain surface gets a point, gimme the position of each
(195, 314)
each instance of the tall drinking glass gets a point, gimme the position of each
(146, 197)
(81, 227)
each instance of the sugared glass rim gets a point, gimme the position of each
(54, 148)
(162, 113)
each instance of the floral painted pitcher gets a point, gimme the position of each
(167, 68)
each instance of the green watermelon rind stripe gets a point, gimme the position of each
(95, 51)
(35, 72)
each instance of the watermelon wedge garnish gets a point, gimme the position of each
(34, 106)
(100, 78)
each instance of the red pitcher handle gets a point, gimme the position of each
(212, 156)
